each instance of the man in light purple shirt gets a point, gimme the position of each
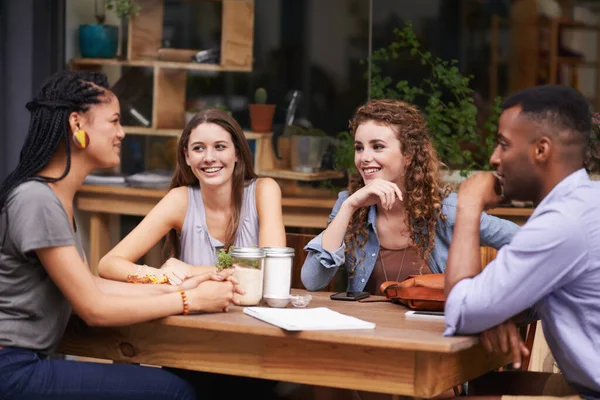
(552, 265)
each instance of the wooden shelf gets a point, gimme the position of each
(78, 62)
(142, 130)
(170, 77)
(535, 55)
(144, 49)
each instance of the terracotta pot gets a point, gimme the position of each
(261, 117)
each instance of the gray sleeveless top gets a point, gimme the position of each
(197, 246)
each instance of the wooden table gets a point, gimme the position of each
(303, 212)
(400, 356)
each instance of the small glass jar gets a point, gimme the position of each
(249, 264)
(278, 271)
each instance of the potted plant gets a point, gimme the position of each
(261, 113)
(101, 40)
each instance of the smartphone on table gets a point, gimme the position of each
(350, 296)
(425, 314)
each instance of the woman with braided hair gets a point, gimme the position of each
(74, 129)
(396, 219)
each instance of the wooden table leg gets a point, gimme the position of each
(99, 239)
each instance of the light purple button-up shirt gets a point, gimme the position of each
(553, 265)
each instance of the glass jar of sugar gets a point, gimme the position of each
(278, 271)
(249, 264)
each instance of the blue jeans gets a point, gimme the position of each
(25, 375)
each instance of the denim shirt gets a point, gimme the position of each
(321, 265)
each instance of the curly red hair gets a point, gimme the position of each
(424, 191)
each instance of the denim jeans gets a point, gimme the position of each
(26, 375)
(227, 387)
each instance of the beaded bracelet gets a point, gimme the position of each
(148, 278)
(186, 303)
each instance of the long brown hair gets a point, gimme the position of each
(243, 172)
(423, 190)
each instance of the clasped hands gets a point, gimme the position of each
(212, 291)
(208, 291)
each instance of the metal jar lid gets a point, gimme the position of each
(247, 252)
(279, 251)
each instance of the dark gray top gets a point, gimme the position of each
(33, 311)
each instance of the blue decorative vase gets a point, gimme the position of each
(98, 40)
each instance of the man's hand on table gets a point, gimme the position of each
(505, 339)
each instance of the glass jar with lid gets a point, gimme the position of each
(278, 271)
(249, 265)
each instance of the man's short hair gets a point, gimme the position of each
(562, 106)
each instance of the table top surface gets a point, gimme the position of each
(393, 330)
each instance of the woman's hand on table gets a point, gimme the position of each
(212, 292)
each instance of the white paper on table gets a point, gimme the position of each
(307, 319)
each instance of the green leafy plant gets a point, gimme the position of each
(260, 96)
(449, 106)
(224, 260)
(343, 159)
(123, 8)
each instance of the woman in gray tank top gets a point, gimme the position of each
(215, 201)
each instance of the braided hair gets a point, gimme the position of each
(62, 94)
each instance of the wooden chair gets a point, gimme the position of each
(297, 241)
(487, 255)
(528, 332)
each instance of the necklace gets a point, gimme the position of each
(401, 264)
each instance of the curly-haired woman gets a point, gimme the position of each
(396, 219)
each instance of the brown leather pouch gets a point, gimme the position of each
(419, 292)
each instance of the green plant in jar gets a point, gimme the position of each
(223, 260)
(226, 260)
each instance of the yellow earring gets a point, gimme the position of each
(81, 139)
